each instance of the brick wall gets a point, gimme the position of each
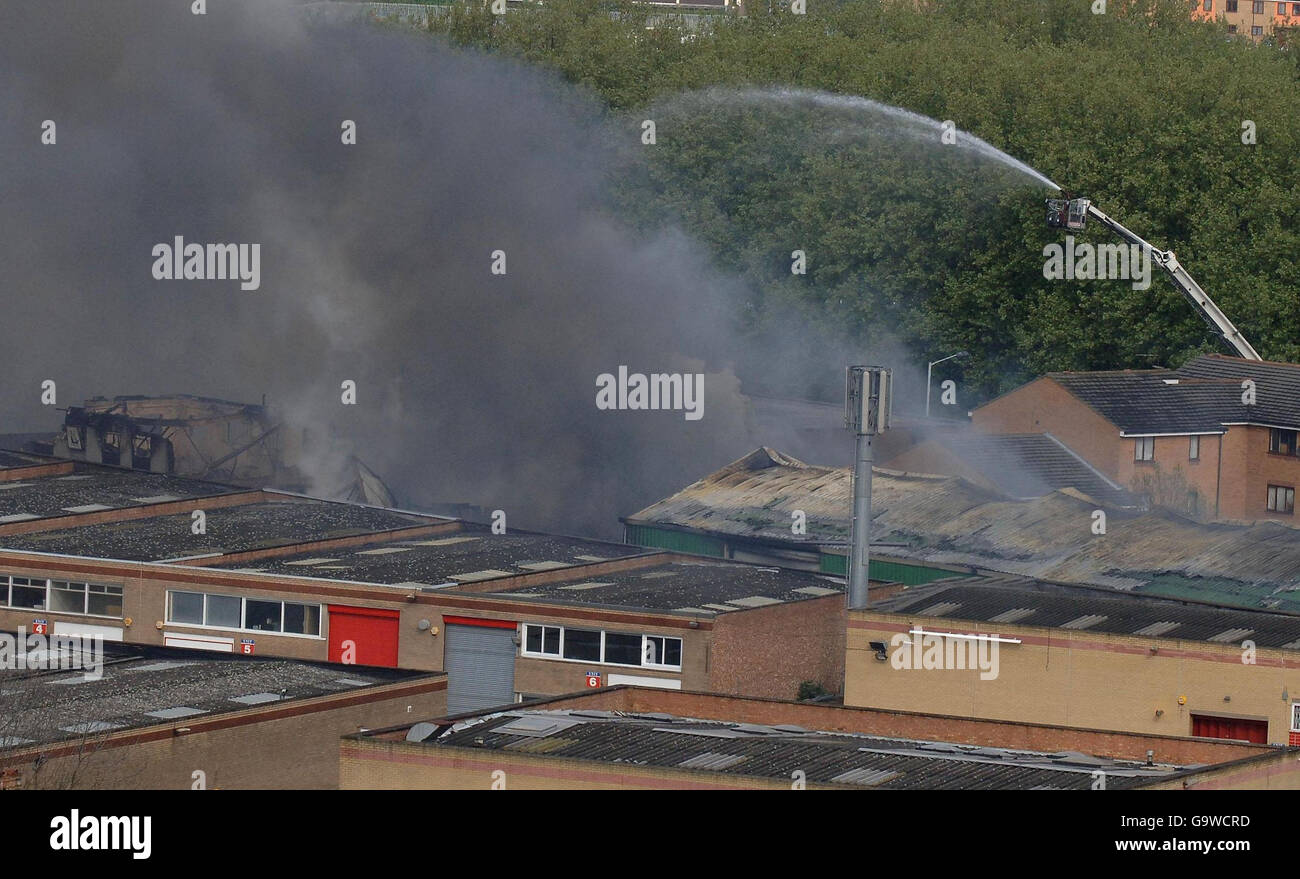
(769, 651)
(1043, 406)
(284, 747)
(1078, 678)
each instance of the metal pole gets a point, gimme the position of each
(929, 369)
(861, 536)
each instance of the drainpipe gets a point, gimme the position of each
(1218, 473)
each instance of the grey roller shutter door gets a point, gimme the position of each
(480, 666)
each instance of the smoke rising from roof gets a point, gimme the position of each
(375, 258)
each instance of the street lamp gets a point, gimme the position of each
(929, 369)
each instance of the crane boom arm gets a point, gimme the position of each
(1186, 285)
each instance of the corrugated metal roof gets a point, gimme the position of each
(947, 520)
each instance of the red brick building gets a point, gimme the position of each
(1216, 438)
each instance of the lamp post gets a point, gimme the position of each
(930, 369)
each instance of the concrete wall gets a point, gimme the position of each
(1078, 678)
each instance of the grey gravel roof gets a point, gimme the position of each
(472, 554)
(229, 530)
(985, 599)
(103, 487)
(701, 588)
(144, 686)
(855, 761)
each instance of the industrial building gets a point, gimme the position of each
(177, 719)
(928, 527)
(634, 738)
(1078, 656)
(102, 551)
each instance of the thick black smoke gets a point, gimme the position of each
(375, 258)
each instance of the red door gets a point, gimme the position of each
(363, 635)
(1230, 728)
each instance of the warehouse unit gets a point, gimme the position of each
(177, 719)
(637, 739)
(1022, 650)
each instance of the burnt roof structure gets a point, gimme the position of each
(948, 520)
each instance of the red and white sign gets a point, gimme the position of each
(593, 679)
(40, 627)
(246, 646)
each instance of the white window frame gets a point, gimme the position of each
(1144, 444)
(560, 657)
(8, 582)
(243, 611)
(1193, 448)
(1275, 492)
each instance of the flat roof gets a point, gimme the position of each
(145, 686)
(228, 530)
(853, 760)
(90, 488)
(693, 587)
(10, 459)
(470, 555)
(1023, 601)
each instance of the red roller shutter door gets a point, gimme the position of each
(372, 632)
(1211, 727)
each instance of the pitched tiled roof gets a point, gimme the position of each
(1199, 397)
(1277, 386)
(1032, 465)
(1157, 400)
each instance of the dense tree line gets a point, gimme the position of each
(1139, 108)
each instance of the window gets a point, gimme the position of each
(543, 640)
(103, 601)
(622, 649)
(61, 596)
(1281, 442)
(67, 597)
(663, 651)
(1258, 8)
(250, 614)
(27, 593)
(1295, 8)
(1231, 6)
(1281, 9)
(1144, 448)
(185, 607)
(1256, 31)
(611, 648)
(1208, 6)
(1193, 448)
(1232, 28)
(581, 644)
(263, 616)
(1281, 499)
(301, 619)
